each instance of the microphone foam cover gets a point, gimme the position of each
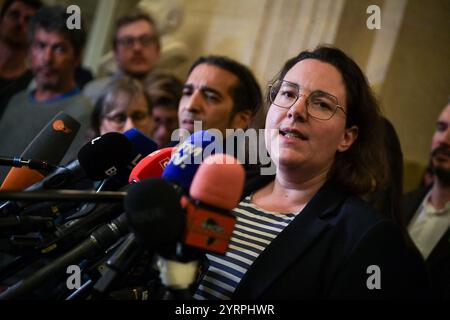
(142, 145)
(152, 166)
(219, 182)
(154, 212)
(20, 179)
(188, 156)
(104, 155)
(53, 140)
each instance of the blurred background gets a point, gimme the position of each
(407, 60)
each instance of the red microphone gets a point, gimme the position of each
(152, 166)
(216, 189)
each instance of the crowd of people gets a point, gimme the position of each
(334, 208)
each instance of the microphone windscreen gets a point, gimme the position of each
(49, 145)
(188, 156)
(219, 182)
(104, 155)
(20, 179)
(154, 212)
(152, 166)
(142, 145)
(53, 140)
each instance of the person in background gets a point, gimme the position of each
(221, 93)
(164, 91)
(136, 46)
(427, 210)
(14, 73)
(55, 51)
(305, 232)
(124, 105)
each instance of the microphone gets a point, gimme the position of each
(97, 159)
(206, 226)
(19, 162)
(152, 166)
(20, 225)
(188, 156)
(158, 219)
(50, 145)
(100, 240)
(209, 223)
(76, 230)
(161, 210)
(142, 146)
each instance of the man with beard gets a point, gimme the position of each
(136, 47)
(427, 210)
(220, 93)
(55, 52)
(14, 74)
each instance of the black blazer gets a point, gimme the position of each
(438, 262)
(326, 250)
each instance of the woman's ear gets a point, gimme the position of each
(350, 136)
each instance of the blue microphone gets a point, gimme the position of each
(142, 145)
(188, 156)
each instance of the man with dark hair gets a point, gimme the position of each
(136, 47)
(427, 210)
(219, 92)
(55, 51)
(14, 74)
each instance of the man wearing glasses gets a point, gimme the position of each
(136, 47)
(14, 74)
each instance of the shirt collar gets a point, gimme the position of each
(431, 210)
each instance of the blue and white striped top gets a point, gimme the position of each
(255, 228)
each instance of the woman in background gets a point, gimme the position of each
(123, 105)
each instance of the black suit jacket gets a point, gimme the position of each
(438, 262)
(325, 252)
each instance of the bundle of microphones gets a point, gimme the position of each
(131, 221)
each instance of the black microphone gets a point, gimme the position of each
(19, 162)
(20, 225)
(142, 146)
(154, 213)
(50, 243)
(122, 259)
(157, 228)
(162, 211)
(207, 224)
(79, 226)
(50, 145)
(100, 240)
(100, 158)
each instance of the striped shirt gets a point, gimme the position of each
(255, 228)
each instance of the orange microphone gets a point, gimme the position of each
(216, 189)
(20, 179)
